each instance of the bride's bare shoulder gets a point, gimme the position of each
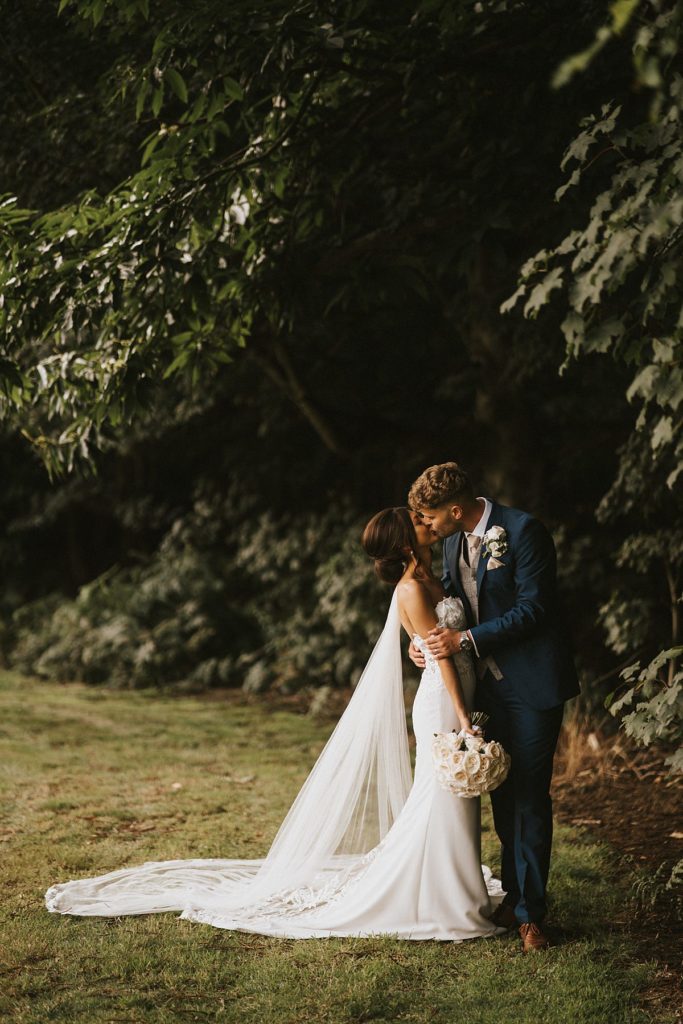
(409, 591)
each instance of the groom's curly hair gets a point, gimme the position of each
(440, 484)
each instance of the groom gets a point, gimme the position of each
(501, 562)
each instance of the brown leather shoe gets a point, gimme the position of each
(504, 916)
(533, 937)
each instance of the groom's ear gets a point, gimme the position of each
(456, 512)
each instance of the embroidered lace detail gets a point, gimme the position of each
(450, 613)
(306, 899)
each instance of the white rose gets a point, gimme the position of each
(495, 541)
(471, 762)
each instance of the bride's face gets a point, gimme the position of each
(423, 530)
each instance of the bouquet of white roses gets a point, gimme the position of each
(467, 765)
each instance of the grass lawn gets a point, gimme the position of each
(92, 780)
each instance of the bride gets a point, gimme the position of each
(364, 849)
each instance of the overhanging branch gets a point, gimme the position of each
(278, 366)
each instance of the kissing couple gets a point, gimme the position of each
(368, 847)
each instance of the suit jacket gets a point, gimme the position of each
(521, 621)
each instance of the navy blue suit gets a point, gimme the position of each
(522, 626)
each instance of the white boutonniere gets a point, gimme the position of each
(495, 545)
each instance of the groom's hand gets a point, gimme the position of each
(443, 642)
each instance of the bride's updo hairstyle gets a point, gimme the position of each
(388, 538)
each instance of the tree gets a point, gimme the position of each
(291, 169)
(279, 265)
(620, 277)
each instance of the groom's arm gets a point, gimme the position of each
(535, 586)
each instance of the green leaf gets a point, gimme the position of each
(622, 11)
(279, 183)
(151, 144)
(177, 83)
(232, 88)
(178, 363)
(663, 432)
(143, 93)
(157, 99)
(574, 180)
(542, 291)
(511, 302)
(97, 11)
(579, 61)
(618, 705)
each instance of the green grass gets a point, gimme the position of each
(87, 785)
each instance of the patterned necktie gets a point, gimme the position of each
(471, 547)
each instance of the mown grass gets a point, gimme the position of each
(92, 780)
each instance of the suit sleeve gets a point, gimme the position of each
(535, 591)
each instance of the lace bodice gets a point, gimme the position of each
(450, 614)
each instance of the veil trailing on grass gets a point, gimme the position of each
(352, 796)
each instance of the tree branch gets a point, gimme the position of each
(283, 374)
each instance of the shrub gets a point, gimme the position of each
(229, 598)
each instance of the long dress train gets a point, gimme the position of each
(422, 879)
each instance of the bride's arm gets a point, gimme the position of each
(414, 601)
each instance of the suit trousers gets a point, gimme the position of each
(522, 806)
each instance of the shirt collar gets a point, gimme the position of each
(480, 529)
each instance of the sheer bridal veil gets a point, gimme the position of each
(352, 796)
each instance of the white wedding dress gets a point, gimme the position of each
(363, 851)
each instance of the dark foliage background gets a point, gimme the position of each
(252, 281)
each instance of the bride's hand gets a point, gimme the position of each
(416, 656)
(466, 725)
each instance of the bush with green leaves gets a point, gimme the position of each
(228, 599)
(656, 699)
(171, 621)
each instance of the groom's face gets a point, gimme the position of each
(444, 519)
